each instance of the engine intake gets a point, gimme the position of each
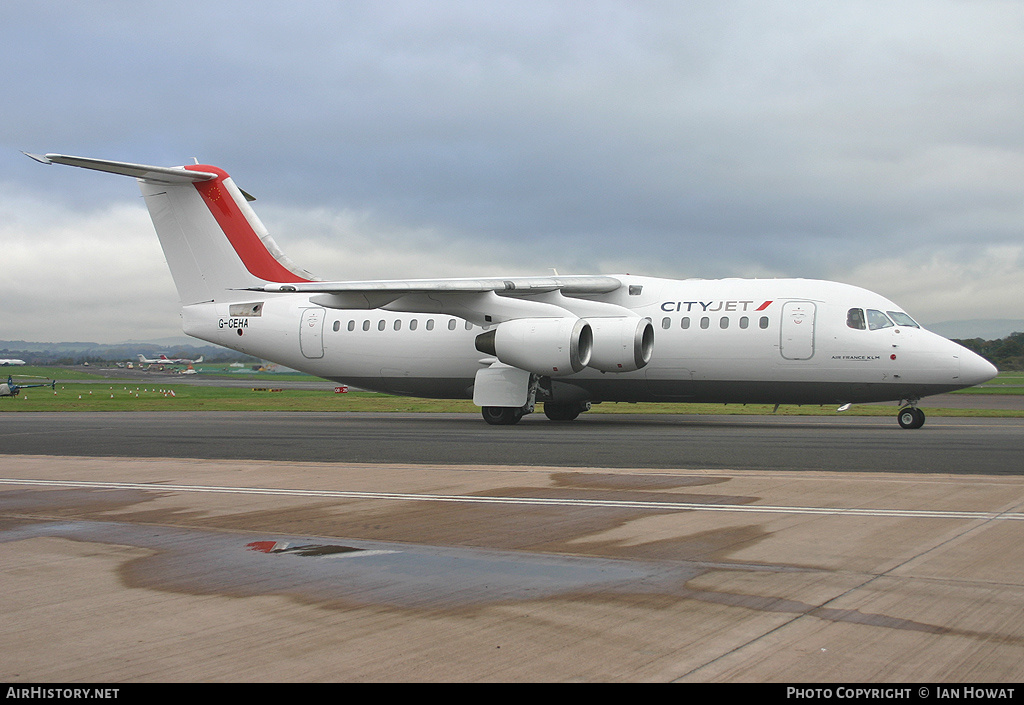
(621, 344)
(551, 347)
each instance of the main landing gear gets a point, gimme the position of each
(910, 417)
(506, 416)
(501, 415)
(565, 412)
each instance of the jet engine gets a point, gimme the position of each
(550, 347)
(621, 344)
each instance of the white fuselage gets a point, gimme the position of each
(782, 341)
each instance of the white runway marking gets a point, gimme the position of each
(532, 501)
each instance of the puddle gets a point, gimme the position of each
(317, 570)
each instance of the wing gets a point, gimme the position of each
(481, 301)
(512, 286)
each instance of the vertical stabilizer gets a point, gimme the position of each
(213, 241)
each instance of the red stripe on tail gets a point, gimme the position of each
(246, 243)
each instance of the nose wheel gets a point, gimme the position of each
(910, 417)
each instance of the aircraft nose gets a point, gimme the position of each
(974, 369)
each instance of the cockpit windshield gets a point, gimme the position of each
(902, 319)
(878, 320)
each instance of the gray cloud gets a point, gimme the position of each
(875, 143)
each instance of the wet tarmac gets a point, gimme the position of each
(125, 570)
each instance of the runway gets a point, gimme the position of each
(837, 442)
(368, 547)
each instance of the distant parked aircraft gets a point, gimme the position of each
(162, 359)
(11, 361)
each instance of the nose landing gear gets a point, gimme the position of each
(910, 417)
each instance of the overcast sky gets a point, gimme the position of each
(875, 143)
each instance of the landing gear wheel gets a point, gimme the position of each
(910, 417)
(562, 412)
(501, 415)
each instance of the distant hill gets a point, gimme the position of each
(986, 329)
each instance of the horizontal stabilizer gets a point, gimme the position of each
(152, 174)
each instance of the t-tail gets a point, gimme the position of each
(214, 243)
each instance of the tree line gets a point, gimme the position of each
(1005, 353)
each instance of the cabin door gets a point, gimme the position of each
(797, 336)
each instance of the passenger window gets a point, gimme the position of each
(398, 324)
(744, 322)
(381, 325)
(685, 323)
(705, 322)
(724, 322)
(666, 322)
(412, 324)
(366, 325)
(351, 325)
(337, 326)
(430, 324)
(878, 320)
(451, 324)
(763, 323)
(469, 326)
(855, 319)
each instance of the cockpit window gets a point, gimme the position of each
(903, 319)
(855, 318)
(878, 320)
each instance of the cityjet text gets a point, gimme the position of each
(708, 306)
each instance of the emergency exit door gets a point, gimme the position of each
(311, 333)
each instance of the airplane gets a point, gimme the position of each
(12, 390)
(509, 343)
(164, 360)
(4, 362)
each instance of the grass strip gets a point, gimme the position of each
(104, 396)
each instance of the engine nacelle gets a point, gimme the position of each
(550, 347)
(621, 344)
